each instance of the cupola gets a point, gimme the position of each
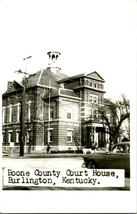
(53, 64)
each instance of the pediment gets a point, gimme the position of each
(13, 86)
(95, 75)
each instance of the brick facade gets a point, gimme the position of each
(58, 110)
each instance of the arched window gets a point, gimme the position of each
(53, 56)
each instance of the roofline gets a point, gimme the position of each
(71, 77)
(78, 76)
(93, 89)
(62, 95)
(53, 52)
(40, 76)
(67, 95)
(76, 98)
(44, 86)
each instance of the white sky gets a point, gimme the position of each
(92, 35)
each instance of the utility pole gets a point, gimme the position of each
(48, 146)
(22, 142)
(23, 108)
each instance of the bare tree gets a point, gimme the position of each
(113, 116)
(76, 138)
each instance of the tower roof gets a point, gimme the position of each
(45, 77)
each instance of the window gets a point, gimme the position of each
(17, 136)
(3, 137)
(95, 113)
(92, 113)
(102, 86)
(51, 112)
(29, 111)
(10, 137)
(128, 149)
(93, 98)
(69, 136)
(18, 112)
(68, 115)
(108, 116)
(10, 114)
(3, 115)
(50, 135)
(28, 136)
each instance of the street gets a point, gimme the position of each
(56, 162)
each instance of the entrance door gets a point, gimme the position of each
(101, 136)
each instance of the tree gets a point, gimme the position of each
(76, 138)
(113, 115)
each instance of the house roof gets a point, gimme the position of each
(108, 102)
(13, 86)
(91, 75)
(44, 77)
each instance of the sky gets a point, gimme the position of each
(92, 35)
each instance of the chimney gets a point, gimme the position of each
(53, 64)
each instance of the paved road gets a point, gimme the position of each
(51, 163)
(56, 162)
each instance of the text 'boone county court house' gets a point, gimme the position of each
(60, 111)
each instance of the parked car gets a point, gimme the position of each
(118, 158)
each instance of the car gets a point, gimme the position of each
(117, 158)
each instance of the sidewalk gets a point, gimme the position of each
(40, 154)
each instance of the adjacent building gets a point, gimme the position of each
(54, 109)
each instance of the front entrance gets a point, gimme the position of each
(95, 135)
(101, 136)
(90, 136)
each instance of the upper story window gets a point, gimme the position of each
(29, 106)
(3, 137)
(101, 86)
(3, 115)
(95, 85)
(10, 114)
(91, 84)
(18, 112)
(51, 112)
(69, 114)
(93, 98)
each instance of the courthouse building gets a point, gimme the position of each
(59, 110)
